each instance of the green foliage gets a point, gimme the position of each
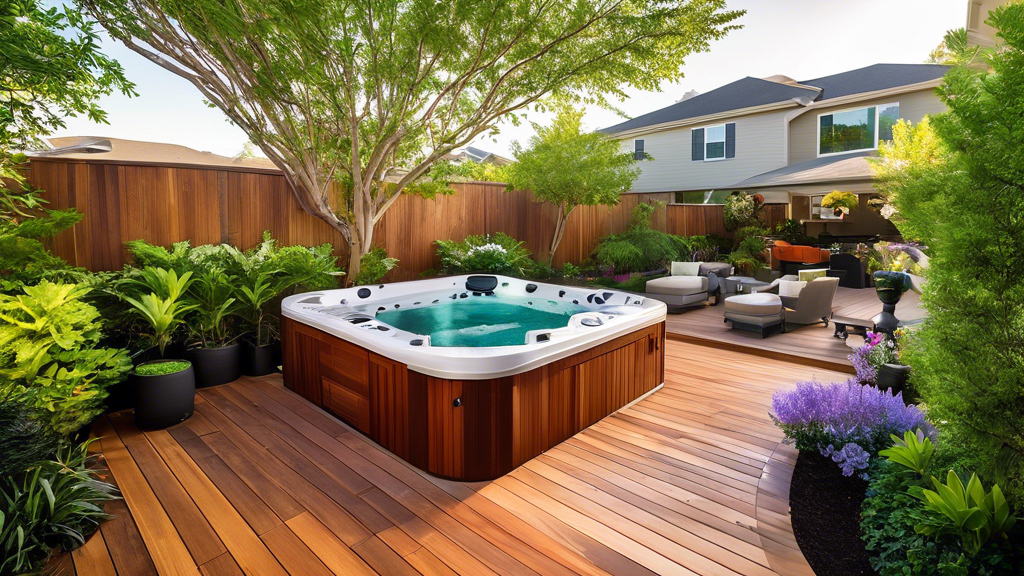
(970, 514)
(396, 84)
(374, 265)
(495, 254)
(741, 210)
(570, 270)
(53, 505)
(50, 355)
(957, 184)
(889, 516)
(842, 201)
(161, 368)
(792, 231)
(640, 248)
(914, 450)
(230, 284)
(212, 309)
(161, 302)
(23, 440)
(447, 171)
(52, 68)
(569, 167)
(24, 224)
(749, 253)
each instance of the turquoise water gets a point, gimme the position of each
(481, 320)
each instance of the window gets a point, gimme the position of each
(714, 142)
(856, 129)
(638, 150)
(708, 197)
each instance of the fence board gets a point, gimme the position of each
(167, 204)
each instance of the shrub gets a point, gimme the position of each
(53, 505)
(50, 355)
(160, 303)
(494, 254)
(741, 210)
(889, 518)
(792, 231)
(640, 248)
(829, 417)
(374, 265)
(23, 440)
(748, 254)
(957, 182)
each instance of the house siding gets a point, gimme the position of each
(803, 130)
(759, 148)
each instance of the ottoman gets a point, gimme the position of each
(679, 290)
(756, 312)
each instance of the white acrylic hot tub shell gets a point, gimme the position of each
(621, 314)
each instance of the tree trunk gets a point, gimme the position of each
(563, 218)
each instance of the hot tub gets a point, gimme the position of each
(468, 377)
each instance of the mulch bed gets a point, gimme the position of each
(825, 511)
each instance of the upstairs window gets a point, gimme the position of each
(713, 142)
(638, 150)
(856, 129)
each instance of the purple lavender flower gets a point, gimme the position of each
(819, 415)
(861, 358)
(851, 458)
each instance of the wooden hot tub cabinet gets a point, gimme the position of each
(470, 430)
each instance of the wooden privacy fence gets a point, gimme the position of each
(163, 204)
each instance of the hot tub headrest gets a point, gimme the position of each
(481, 283)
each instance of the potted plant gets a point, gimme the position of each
(214, 351)
(889, 286)
(262, 348)
(163, 391)
(841, 203)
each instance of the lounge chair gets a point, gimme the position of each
(689, 283)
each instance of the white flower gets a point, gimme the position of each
(888, 211)
(491, 247)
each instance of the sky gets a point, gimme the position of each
(801, 39)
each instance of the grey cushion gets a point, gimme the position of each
(678, 285)
(754, 304)
(720, 269)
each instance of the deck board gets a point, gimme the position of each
(691, 480)
(813, 344)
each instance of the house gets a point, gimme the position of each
(790, 141)
(114, 150)
(471, 154)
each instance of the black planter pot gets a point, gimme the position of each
(215, 366)
(260, 360)
(163, 400)
(893, 376)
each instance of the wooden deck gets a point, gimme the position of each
(691, 480)
(813, 344)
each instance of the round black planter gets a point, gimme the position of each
(893, 376)
(260, 360)
(216, 366)
(163, 400)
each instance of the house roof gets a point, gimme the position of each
(121, 150)
(751, 92)
(739, 94)
(847, 167)
(875, 77)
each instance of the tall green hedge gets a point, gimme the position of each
(958, 185)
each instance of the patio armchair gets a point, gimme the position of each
(689, 283)
(805, 302)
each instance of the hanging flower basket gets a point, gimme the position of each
(841, 203)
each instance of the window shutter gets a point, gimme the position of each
(698, 144)
(730, 140)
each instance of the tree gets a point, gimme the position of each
(51, 67)
(355, 101)
(957, 183)
(568, 167)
